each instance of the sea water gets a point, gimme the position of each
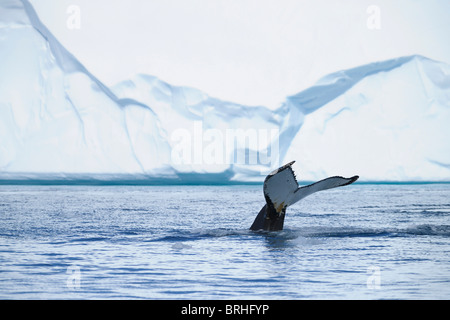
(192, 242)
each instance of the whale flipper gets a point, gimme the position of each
(281, 190)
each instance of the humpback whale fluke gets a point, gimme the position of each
(281, 190)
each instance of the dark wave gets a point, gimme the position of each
(430, 230)
(312, 232)
(197, 234)
(419, 230)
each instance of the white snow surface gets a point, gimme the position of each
(385, 121)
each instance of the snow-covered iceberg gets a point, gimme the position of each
(386, 121)
(390, 124)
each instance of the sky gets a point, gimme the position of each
(253, 52)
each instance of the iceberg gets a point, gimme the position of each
(385, 121)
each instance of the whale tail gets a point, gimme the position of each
(281, 190)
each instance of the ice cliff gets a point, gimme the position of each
(385, 121)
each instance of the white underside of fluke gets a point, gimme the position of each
(281, 187)
(281, 190)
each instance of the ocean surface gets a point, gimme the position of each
(385, 241)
